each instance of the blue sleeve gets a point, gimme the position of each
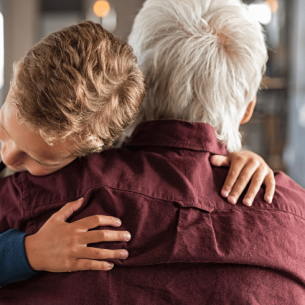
(14, 265)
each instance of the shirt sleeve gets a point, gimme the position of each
(14, 265)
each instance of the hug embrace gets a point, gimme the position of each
(127, 160)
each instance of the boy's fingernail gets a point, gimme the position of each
(110, 266)
(232, 199)
(269, 199)
(118, 222)
(79, 200)
(127, 236)
(123, 254)
(248, 202)
(224, 193)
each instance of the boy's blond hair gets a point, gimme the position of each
(79, 84)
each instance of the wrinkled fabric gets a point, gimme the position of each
(188, 246)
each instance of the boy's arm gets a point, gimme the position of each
(14, 265)
(245, 166)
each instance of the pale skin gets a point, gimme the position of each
(60, 246)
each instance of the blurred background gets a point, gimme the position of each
(277, 129)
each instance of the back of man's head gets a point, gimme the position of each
(203, 61)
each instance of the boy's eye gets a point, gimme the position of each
(43, 164)
(38, 162)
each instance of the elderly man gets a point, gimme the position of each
(203, 62)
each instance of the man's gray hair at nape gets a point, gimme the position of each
(203, 61)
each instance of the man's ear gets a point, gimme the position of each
(249, 111)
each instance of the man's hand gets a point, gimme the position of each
(62, 247)
(245, 166)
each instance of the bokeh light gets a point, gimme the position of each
(274, 5)
(101, 8)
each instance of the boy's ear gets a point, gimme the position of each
(249, 111)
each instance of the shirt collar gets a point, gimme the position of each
(177, 133)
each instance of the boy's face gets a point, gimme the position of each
(24, 150)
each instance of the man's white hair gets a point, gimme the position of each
(203, 61)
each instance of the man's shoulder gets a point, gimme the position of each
(289, 196)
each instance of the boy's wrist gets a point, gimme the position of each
(32, 253)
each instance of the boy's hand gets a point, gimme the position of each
(62, 247)
(245, 166)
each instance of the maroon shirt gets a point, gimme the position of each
(189, 246)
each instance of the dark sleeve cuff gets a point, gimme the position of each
(14, 265)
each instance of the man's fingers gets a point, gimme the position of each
(242, 181)
(254, 187)
(96, 253)
(88, 264)
(97, 236)
(218, 160)
(270, 187)
(67, 210)
(92, 222)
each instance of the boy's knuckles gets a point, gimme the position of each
(255, 163)
(103, 235)
(96, 220)
(99, 254)
(239, 158)
(69, 265)
(232, 174)
(73, 252)
(243, 178)
(257, 181)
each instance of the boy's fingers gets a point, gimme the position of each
(254, 187)
(270, 187)
(88, 264)
(218, 160)
(241, 182)
(68, 209)
(97, 221)
(96, 253)
(96, 236)
(231, 179)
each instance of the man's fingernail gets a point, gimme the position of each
(269, 199)
(110, 266)
(248, 202)
(127, 236)
(224, 193)
(232, 199)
